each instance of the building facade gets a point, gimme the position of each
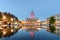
(57, 17)
(43, 24)
(32, 21)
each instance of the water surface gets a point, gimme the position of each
(42, 34)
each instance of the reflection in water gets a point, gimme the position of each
(29, 33)
(57, 31)
(8, 32)
(32, 32)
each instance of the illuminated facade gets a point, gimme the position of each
(32, 21)
(43, 24)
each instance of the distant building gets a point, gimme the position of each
(57, 17)
(7, 19)
(32, 21)
(43, 24)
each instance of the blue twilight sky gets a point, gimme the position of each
(22, 8)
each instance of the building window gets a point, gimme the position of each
(58, 19)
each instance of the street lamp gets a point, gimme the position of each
(4, 32)
(11, 19)
(4, 17)
(12, 30)
(16, 24)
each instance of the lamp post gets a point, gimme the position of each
(16, 24)
(4, 18)
(11, 21)
(4, 21)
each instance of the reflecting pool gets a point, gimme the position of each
(31, 34)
